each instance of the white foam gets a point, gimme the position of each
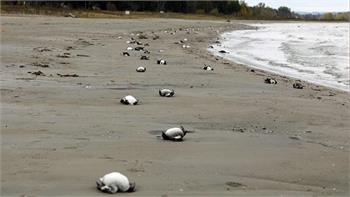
(315, 52)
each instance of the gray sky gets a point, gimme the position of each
(306, 5)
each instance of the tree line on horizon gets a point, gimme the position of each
(234, 8)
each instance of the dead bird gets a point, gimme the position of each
(141, 69)
(206, 67)
(115, 182)
(270, 80)
(139, 48)
(298, 85)
(144, 57)
(166, 92)
(174, 134)
(129, 100)
(125, 54)
(161, 61)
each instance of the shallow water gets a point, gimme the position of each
(315, 52)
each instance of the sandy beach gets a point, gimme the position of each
(59, 134)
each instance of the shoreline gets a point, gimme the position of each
(267, 69)
(250, 138)
(261, 71)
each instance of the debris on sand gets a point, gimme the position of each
(83, 55)
(67, 75)
(37, 73)
(69, 48)
(298, 85)
(43, 65)
(83, 42)
(63, 62)
(155, 37)
(70, 15)
(42, 49)
(331, 93)
(144, 57)
(64, 55)
(142, 36)
(295, 137)
(239, 129)
(270, 80)
(234, 184)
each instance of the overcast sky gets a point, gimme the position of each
(306, 5)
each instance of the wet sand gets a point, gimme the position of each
(59, 134)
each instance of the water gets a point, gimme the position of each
(314, 52)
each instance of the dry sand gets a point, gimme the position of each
(59, 134)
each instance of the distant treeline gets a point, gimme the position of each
(233, 8)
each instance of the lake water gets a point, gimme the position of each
(314, 52)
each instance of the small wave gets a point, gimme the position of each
(315, 52)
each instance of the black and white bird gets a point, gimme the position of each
(174, 134)
(298, 85)
(130, 42)
(126, 54)
(161, 61)
(206, 67)
(129, 48)
(270, 80)
(129, 100)
(139, 48)
(115, 182)
(141, 69)
(166, 92)
(144, 57)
